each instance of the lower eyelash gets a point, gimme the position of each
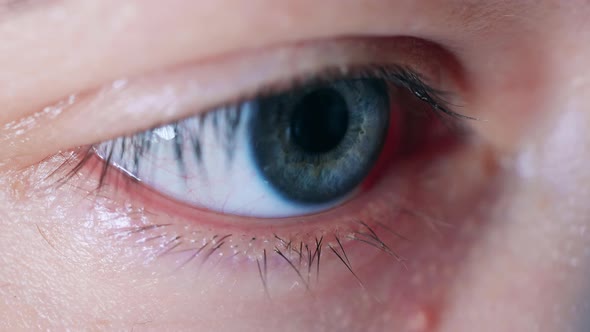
(299, 254)
(302, 257)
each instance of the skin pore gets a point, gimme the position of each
(509, 249)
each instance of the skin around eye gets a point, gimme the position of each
(300, 256)
(398, 221)
(274, 254)
(397, 203)
(440, 240)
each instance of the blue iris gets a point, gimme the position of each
(316, 144)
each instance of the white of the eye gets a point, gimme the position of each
(166, 133)
(218, 183)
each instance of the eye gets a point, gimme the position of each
(337, 159)
(301, 151)
(315, 145)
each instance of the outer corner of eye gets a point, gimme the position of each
(303, 151)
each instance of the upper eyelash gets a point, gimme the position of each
(397, 75)
(328, 243)
(401, 76)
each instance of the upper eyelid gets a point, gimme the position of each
(163, 97)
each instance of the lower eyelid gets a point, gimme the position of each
(185, 237)
(107, 224)
(171, 235)
(387, 220)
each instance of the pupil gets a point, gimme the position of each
(320, 121)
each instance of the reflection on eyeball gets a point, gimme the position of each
(291, 154)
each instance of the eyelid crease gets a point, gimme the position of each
(170, 95)
(402, 76)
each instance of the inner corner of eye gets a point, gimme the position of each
(300, 152)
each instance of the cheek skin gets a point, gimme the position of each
(85, 269)
(531, 267)
(515, 257)
(509, 253)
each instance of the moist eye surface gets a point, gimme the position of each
(314, 145)
(301, 151)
